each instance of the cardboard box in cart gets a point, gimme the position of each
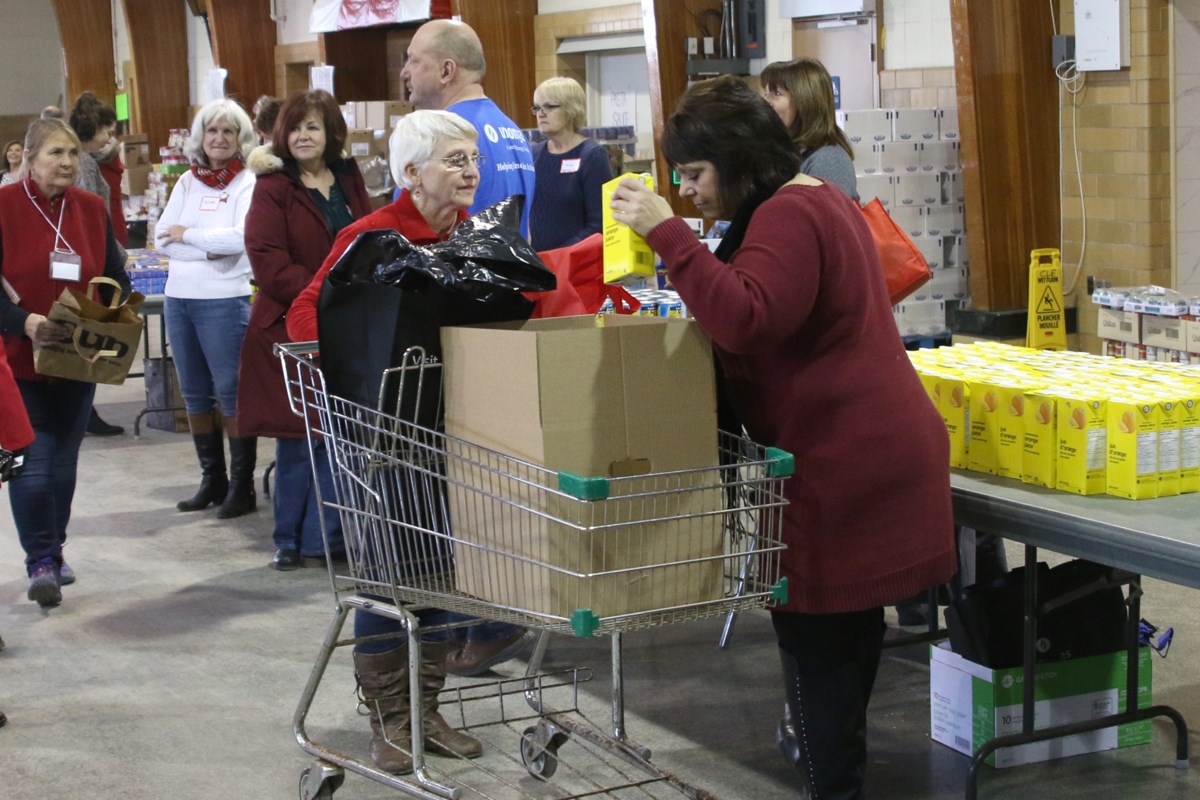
(970, 704)
(610, 397)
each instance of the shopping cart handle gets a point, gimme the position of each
(780, 463)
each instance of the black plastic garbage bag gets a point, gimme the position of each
(1081, 613)
(386, 295)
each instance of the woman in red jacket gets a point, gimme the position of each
(15, 433)
(53, 235)
(306, 192)
(798, 312)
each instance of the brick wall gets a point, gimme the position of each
(917, 88)
(550, 29)
(1124, 133)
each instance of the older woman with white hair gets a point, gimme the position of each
(207, 306)
(435, 160)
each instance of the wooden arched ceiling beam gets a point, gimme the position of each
(158, 49)
(666, 24)
(243, 42)
(506, 32)
(86, 30)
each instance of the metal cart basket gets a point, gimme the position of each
(432, 521)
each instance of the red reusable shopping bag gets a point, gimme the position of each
(904, 267)
(581, 287)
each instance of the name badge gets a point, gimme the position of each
(570, 165)
(65, 267)
(210, 202)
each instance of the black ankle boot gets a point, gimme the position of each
(214, 483)
(241, 498)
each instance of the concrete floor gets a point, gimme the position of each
(173, 667)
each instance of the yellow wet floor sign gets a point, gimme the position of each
(1046, 328)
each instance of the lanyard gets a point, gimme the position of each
(58, 235)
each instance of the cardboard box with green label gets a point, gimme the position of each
(970, 704)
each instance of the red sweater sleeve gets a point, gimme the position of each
(756, 302)
(302, 316)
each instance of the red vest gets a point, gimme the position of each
(27, 239)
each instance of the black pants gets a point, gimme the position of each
(829, 667)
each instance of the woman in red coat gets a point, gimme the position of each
(305, 194)
(15, 432)
(797, 308)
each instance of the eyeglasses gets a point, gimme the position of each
(545, 108)
(459, 161)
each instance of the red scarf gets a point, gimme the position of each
(218, 178)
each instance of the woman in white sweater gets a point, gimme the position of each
(207, 304)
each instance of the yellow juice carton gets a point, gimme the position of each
(951, 398)
(1169, 473)
(1041, 439)
(983, 436)
(1189, 443)
(1082, 433)
(626, 253)
(1132, 462)
(1010, 430)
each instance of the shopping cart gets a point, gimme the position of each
(432, 521)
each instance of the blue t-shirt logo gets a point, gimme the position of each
(490, 133)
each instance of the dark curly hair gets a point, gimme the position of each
(726, 122)
(90, 114)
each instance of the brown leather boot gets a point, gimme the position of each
(383, 684)
(440, 737)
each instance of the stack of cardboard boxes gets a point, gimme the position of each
(135, 153)
(1146, 326)
(909, 159)
(370, 125)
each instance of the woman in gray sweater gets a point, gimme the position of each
(801, 92)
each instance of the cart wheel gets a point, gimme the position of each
(318, 783)
(542, 762)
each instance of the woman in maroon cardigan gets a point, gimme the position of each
(798, 312)
(44, 214)
(305, 194)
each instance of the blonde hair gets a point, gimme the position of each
(567, 93)
(39, 131)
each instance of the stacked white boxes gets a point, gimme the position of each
(909, 159)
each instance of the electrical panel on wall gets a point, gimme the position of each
(1101, 35)
(752, 26)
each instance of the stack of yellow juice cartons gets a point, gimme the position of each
(1073, 421)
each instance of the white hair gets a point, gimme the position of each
(220, 109)
(418, 134)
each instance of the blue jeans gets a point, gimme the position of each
(297, 517)
(41, 495)
(206, 343)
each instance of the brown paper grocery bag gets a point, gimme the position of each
(103, 340)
